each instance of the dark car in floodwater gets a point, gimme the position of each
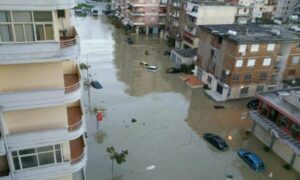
(216, 141)
(173, 70)
(253, 104)
(252, 160)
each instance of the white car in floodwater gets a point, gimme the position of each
(151, 68)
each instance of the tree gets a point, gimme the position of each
(87, 82)
(115, 156)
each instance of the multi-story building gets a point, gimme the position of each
(175, 20)
(285, 9)
(260, 9)
(277, 123)
(209, 13)
(42, 122)
(245, 59)
(147, 16)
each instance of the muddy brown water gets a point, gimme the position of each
(170, 117)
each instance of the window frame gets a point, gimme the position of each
(12, 24)
(254, 48)
(269, 64)
(252, 64)
(36, 154)
(238, 61)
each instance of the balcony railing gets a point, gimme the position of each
(77, 147)
(72, 82)
(75, 117)
(69, 38)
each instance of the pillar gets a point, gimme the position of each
(147, 30)
(253, 127)
(137, 28)
(272, 142)
(292, 160)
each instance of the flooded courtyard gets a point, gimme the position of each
(170, 116)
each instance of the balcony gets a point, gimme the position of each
(137, 13)
(35, 52)
(37, 4)
(72, 87)
(281, 134)
(74, 129)
(77, 161)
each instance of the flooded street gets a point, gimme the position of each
(171, 117)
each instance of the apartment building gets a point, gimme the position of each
(175, 20)
(277, 124)
(209, 13)
(42, 122)
(147, 16)
(285, 9)
(245, 59)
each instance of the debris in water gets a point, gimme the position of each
(133, 120)
(144, 124)
(151, 167)
(229, 177)
(219, 107)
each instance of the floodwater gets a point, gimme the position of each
(165, 143)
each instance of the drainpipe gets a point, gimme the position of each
(8, 154)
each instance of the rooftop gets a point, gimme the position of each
(186, 52)
(286, 101)
(251, 33)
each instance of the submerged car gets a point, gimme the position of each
(95, 12)
(129, 40)
(151, 68)
(216, 141)
(144, 63)
(253, 104)
(167, 53)
(96, 85)
(252, 160)
(173, 70)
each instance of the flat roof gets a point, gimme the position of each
(186, 52)
(251, 33)
(277, 100)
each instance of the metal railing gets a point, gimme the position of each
(68, 42)
(75, 126)
(73, 87)
(79, 158)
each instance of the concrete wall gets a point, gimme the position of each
(22, 77)
(35, 119)
(212, 15)
(66, 177)
(69, 67)
(66, 151)
(63, 23)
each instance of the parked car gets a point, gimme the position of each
(173, 70)
(129, 40)
(151, 68)
(253, 104)
(95, 12)
(144, 63)
(252, 160)
(167, 52)
(96, 85)
(216, 141)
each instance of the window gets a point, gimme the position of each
(242, 48)
(260, 88)
(291, 72)
(34, 157)
(235, 77)
(267, 62)
(270, 47)
(26, 26)
(209, 79)
(61, 13)
(263, 75)
(295, 59)
(244, 91)
(239, 63)
(251, 62)
(254, 48)
(247, 77)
